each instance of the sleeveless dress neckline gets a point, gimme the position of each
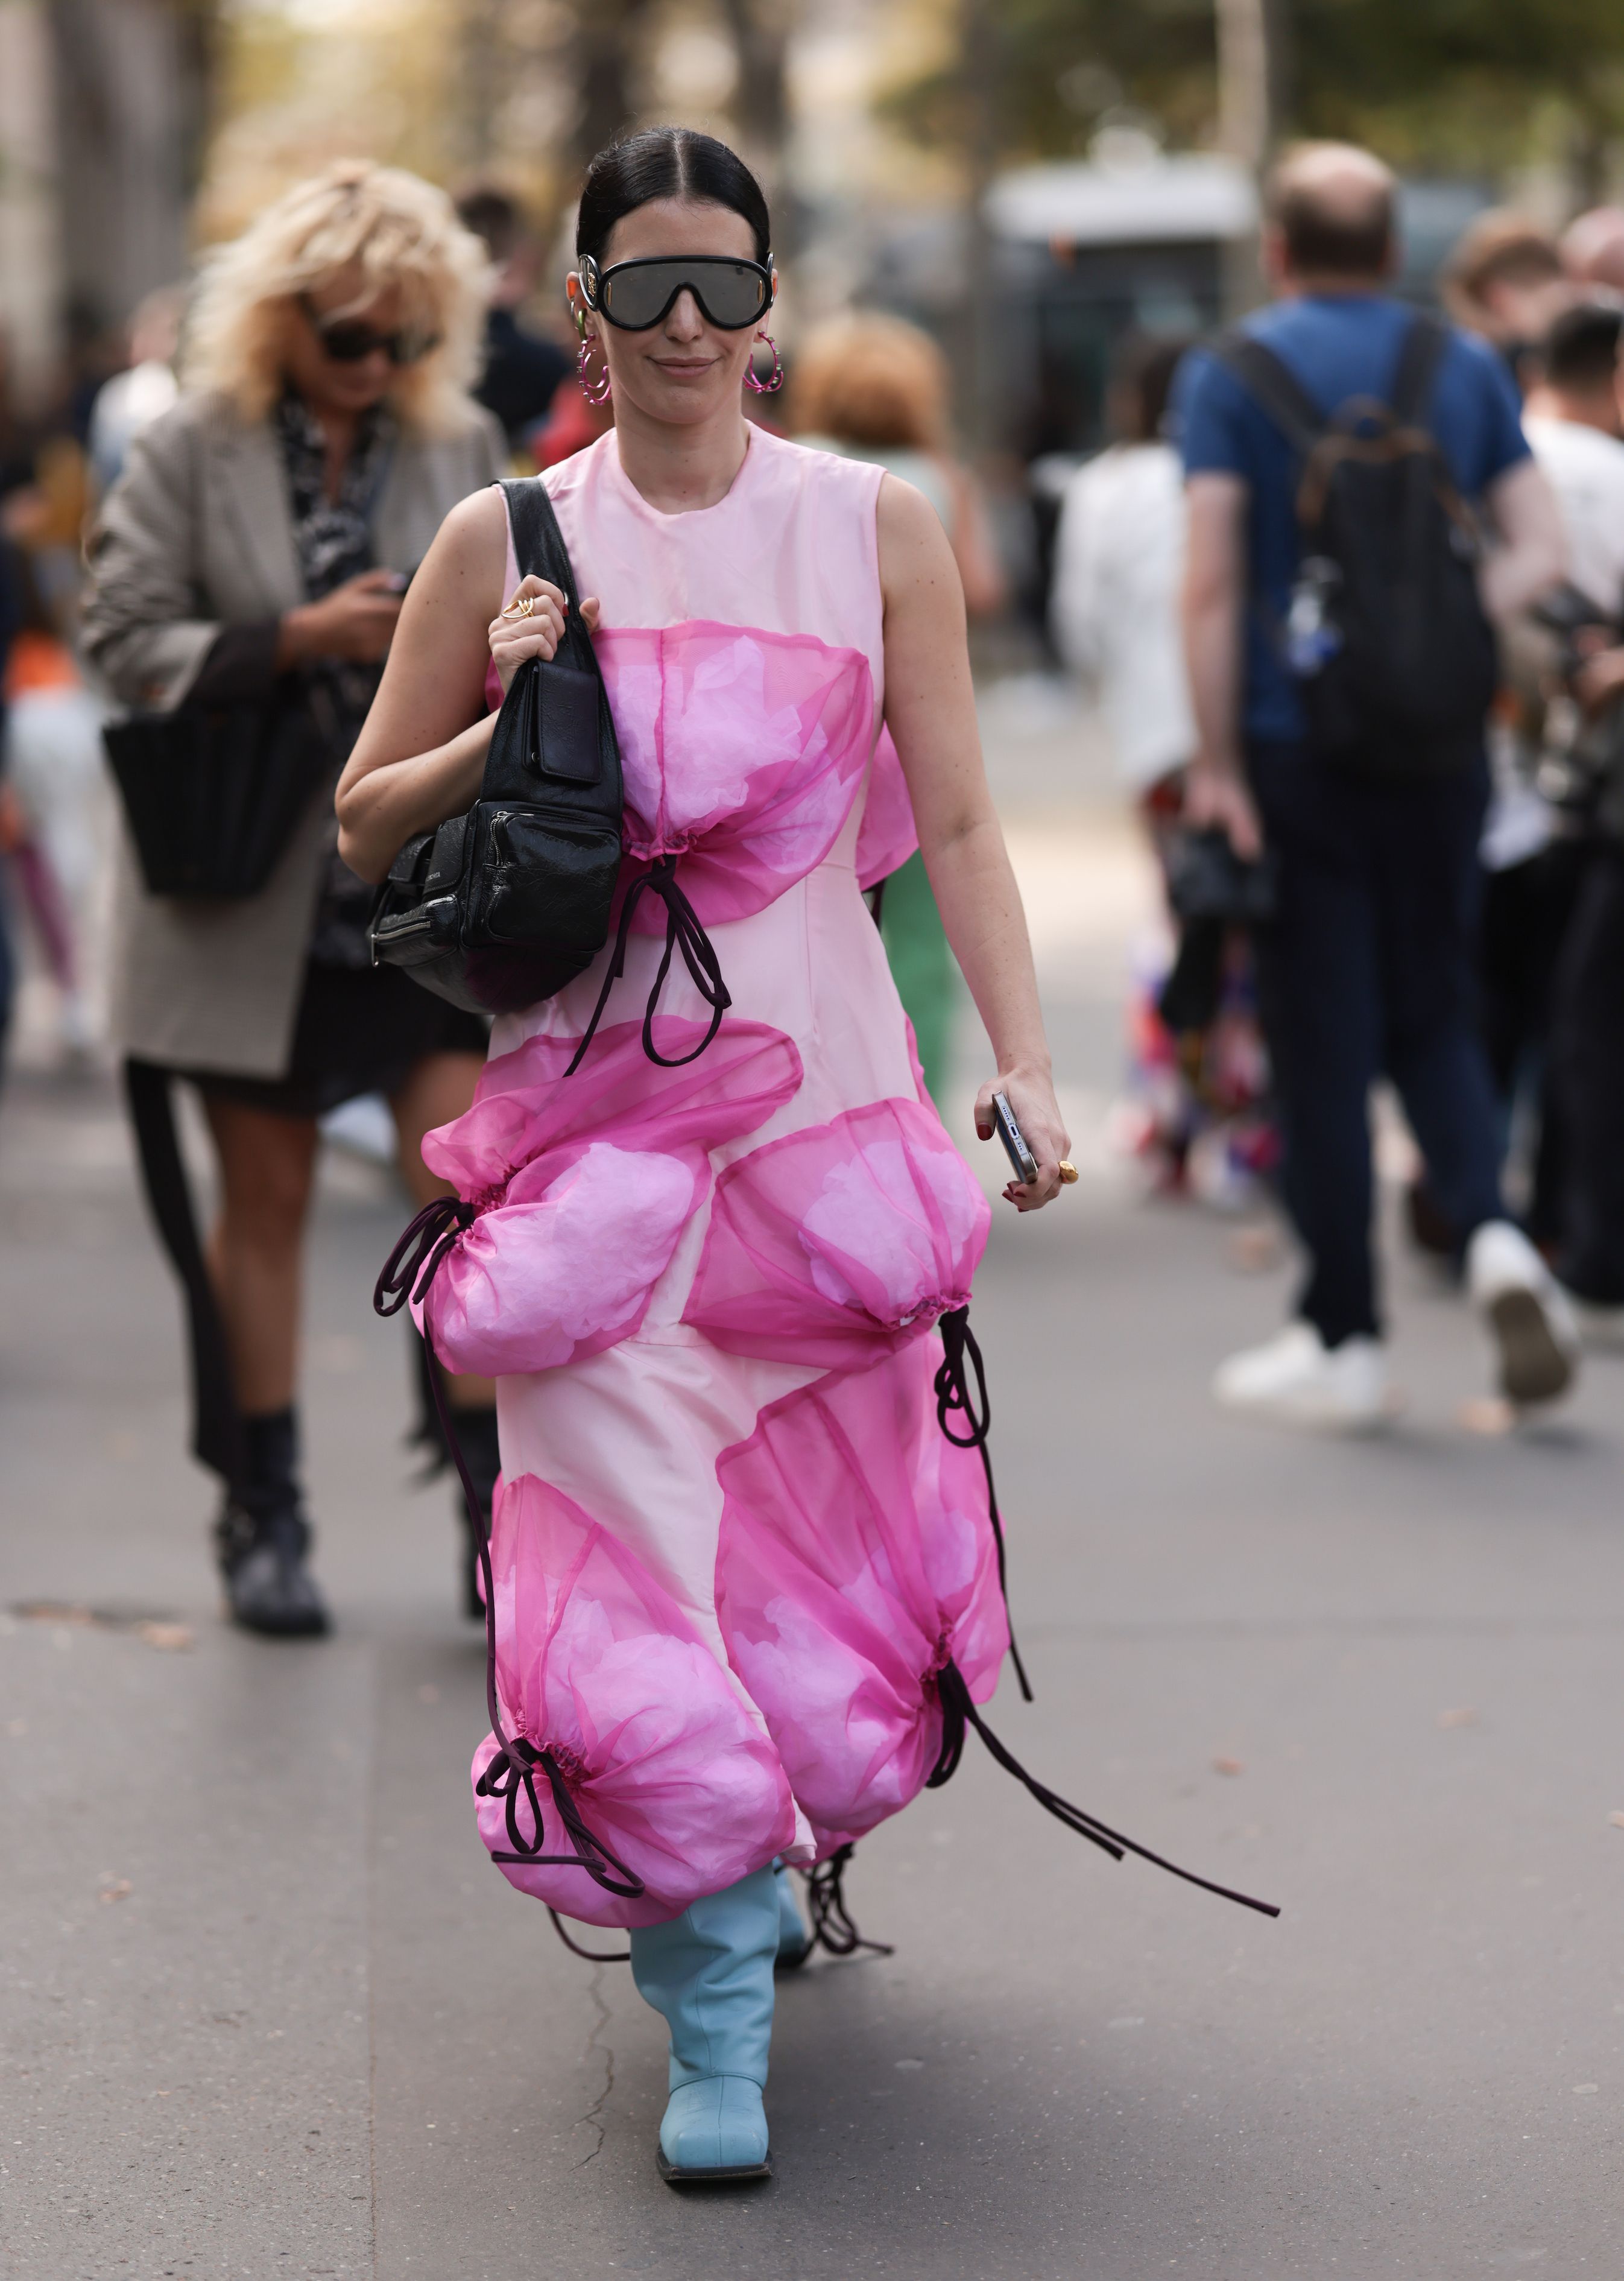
(630, 492)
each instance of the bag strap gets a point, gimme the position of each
(540, 551)
(1274, 388)
(1418, 360)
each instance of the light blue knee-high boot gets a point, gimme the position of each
(794, 1941)
(710, 1973)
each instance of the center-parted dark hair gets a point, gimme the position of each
(667, 162)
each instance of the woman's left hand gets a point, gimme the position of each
(1030, 1095)
(515, 636)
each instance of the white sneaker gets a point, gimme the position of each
(1527, 1312)
(1300, 1381)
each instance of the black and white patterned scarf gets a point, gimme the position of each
(332, 539)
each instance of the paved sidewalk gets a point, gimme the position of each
(269, 2011)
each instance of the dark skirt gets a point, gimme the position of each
(357, 1030)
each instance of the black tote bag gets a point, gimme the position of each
(213, 795)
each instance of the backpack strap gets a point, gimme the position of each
(1418, 360)
(540, 551)
(1274, 388)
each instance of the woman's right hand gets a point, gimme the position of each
(355, 622)
(514, 635)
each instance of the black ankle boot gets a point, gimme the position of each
(476, 1431)
(263, 1538)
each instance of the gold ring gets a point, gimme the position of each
(522, 606)
(1067, 1170)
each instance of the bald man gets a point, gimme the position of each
(1367, 967)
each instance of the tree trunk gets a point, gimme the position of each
(977, 343)
(1250, 72)
(606, 38)
(131, 108)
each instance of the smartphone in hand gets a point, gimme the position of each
(1020, 1156)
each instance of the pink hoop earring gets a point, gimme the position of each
(597, 393)
(770, 386)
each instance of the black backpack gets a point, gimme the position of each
(1393, 658)
(502, 906)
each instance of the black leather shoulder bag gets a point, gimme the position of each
(502, 907)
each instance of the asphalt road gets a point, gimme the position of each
(269, 2011)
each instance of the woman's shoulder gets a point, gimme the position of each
(204, 414)
(820, 464)
(568, 478)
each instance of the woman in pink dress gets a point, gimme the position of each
(741, 1578)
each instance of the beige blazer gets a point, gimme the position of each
(198, 535)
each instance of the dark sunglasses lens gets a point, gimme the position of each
(734, 297)
(348, 343)
(729, 295)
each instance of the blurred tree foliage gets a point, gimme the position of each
(1472, 84)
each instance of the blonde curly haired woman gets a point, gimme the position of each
(266, 526)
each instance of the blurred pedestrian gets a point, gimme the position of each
(258, 544)
(1118, 569)
(1592, 249)
(1578, 437)
(1505, 280)
(871, 387)
(1120, 554)
(523, 370)
(1341, 664)
(55, 768)
(132, 399)
(1534, 861)
(10, 818)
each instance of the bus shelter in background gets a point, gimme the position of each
(1088, 253)
(1136, 242)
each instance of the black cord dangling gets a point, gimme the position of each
(958, 1711)
(684, 931)
(834, 1929)
(591, 1955)
(953, 1399)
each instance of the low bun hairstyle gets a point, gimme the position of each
(667, 162)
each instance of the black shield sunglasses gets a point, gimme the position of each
(634, 296)
(347, 341)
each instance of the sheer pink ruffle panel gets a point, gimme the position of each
(585, 1185)
(855, 1558)
(827, 1246)
(742, 753)
(886, 837)
(597, 1665)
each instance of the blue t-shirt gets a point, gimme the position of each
(1336, 345)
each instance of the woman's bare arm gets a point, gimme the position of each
(422, 753)
(931, 711)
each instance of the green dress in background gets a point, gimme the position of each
(923, 968)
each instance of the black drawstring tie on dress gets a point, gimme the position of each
(684, 931)
(832, 1928)
(953, 1400)
(958, 1712)
(424, 1242)
(511, 1774)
